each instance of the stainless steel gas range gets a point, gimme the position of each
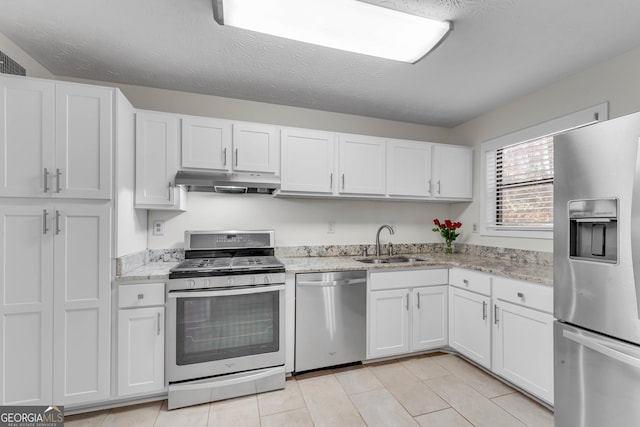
(225, 323)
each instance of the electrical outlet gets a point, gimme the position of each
(331, 229)
(158, 227)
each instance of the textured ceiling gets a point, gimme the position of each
(499, 50)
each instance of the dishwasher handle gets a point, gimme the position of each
(331, 283)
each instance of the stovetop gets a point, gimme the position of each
(228, 263)
(221, 253)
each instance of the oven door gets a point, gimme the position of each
(221, 331)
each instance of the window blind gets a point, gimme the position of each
(520, 182)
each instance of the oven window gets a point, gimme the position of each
(223, 327)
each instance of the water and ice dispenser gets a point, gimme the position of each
(593, 226)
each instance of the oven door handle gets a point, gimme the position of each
(219, 292)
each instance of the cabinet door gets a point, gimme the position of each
(469, 325)
(409, 168)
(157, 158)
(388, 323)
(308, 161)
(81, 303)
(26, 292)
(206, 143)
(362, 165)
(27, 137)
(140, 350)
(256, 148)
(84, 142)
(523, 348)
(452, 171)
(429, 319)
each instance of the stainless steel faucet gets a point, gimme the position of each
(388, 227)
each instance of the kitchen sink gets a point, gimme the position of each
(389, 260)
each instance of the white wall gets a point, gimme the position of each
(299, 222)
(616, 81)
(33, 67)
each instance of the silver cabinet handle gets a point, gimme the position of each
(46, 180)
(140, 296)
(58, 173)
(418, 300)
(331, 180)
(57, 221)
(169, 190)
(520, 295)
(466, 282)
(429, 186)
(484, 310)
(236, 157)
(407, 304)
(495, 314)
(158, 332)
(44, 221)
(224, 156)
(343, 181)
(438, 186)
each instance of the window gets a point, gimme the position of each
(518, 177)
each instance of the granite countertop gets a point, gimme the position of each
(158, 270)
(542, 274)
(537, 273)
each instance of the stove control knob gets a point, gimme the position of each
(191, 283)
(207, 283)
(267, 279)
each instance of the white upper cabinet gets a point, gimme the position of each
(157, 160)
(226, 146)
(308, 159)
(206, 143)
(452, 172)
(362, 165)
(256, 148)
(408, 168)
(56, 139)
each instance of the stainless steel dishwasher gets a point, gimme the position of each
(330, 319)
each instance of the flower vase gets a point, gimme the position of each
(448, 247)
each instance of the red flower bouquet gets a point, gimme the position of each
(448, 232)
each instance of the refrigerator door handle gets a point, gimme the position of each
(602, 348)
(635, 229)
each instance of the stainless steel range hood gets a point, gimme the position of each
(220, 182)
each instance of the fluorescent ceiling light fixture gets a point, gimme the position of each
(349, 25)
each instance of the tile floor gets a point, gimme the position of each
(440, 390)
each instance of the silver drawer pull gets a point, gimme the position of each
(46, 180)
(58, 173)
(140, 296)
(520, 295)
(158, 330)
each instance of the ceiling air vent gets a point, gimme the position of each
(9, 66)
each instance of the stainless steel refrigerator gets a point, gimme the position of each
(597, 275)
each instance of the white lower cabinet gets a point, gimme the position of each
(404, 317)
(141, 338)
(429, 323)
(54, 303)
(469, 325)
(523, 336)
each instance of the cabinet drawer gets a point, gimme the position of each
(141, 295)
(470, 280)
(396, 279)
(533, 295)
